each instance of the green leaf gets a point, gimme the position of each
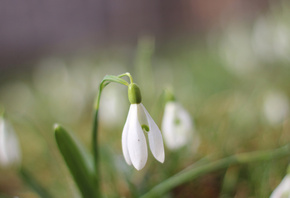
(205, 167)
(76, 161)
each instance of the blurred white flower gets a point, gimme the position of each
(113, 106)
(9, 146)
(282, 40)
(283, 189)
(276, 107)
(133, 139)
(262, 38)
(177, 127)
(270, 39)
(237, 52)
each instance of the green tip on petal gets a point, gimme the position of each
(134, 94)
(145, 127)
(177, 121)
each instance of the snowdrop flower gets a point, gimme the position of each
(177, 126)
(283, 189)
(276, 107)
(133, 139)
(9, 147)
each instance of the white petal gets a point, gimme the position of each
(276, 107)
(13, 148)
(125, 138)
(168, 126)
(3, 152)
(142, 116)
(155, 138)
(184, 129)
(283, 189)
(136, 140)
(177, 126)
(9, 146)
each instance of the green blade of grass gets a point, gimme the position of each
(194, 172)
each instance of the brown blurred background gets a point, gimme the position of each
(31, 28)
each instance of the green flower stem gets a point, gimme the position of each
(196, 171)
(107, 79)
(127, 74)
(95, 141)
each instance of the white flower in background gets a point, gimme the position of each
(283, 189)
(113, 107)
(236, 51)
(177, 127)
(9, 147)
(133, 139)
(276, 107)
(263, 38)
(271, 40)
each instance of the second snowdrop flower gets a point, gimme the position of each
(133, 139)
(177, 126)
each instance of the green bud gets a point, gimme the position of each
(134, 94)
(168, 95)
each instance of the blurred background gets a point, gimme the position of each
(228, 63)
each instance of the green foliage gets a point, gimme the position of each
(76, 162)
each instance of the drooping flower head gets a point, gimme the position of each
(177, 125)
(9, 146)
(138, 123)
